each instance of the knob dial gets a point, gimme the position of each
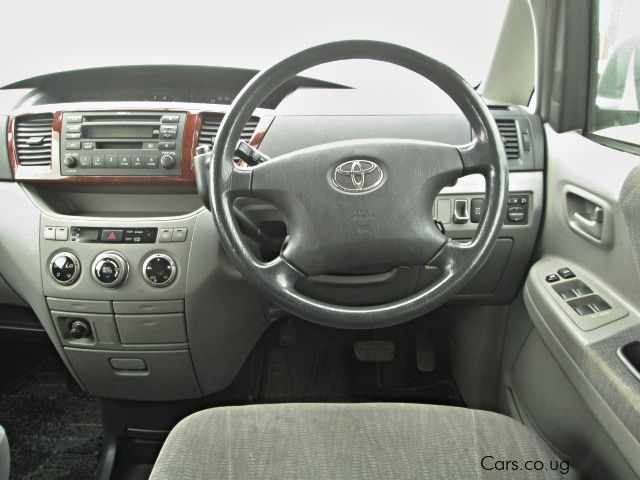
(64, 268)
(167, 161)
(70, 162)
(159, 270)
(110, 269)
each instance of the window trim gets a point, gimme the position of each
(593, 90)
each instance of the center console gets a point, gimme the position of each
(128, 143)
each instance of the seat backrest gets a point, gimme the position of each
(4, 455)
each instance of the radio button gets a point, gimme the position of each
(74, 128)
(85, 161)
(73, 145)
(167, 161)
(150, 146)
(170, 118)
(167, 145)
(151, 161)
(87, 145)
(73, 136)
(74, 118)
(167, 135)
(111, 161)
(168, 128)
(124, 161)
(98, 161)
(137, 161)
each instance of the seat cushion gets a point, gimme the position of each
(354, 441)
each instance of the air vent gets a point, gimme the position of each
(509, 132)
(211, 125)
(33, 139)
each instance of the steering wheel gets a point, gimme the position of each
(359, 203)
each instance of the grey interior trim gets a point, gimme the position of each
(5, 166)
(511, 75)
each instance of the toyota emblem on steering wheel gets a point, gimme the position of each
(357, 176)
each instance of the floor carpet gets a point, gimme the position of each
(54, 428)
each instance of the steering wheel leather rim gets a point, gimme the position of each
(459, 262)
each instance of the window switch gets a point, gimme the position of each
(566, 273)
(583, 290)
(583, 309)
(601, 306)
(552, 278)
(568, 294)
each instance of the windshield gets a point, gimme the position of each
(76, 34)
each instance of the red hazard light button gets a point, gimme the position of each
(111, 236)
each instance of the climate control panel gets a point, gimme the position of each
(110, 269)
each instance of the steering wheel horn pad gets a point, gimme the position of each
(360, 204)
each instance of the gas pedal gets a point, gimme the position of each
(374, 350)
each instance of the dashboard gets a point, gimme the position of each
(131, 283)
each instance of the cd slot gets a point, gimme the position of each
(115, 145)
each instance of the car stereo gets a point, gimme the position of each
(121, 143)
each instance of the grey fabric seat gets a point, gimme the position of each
(4, 455)
(340, 441)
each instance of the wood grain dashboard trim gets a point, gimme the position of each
(194, 118)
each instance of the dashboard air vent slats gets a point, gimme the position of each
(33, 139)
(211, 125)
(509, 132)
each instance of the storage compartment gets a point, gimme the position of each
(167, 376)
(145, 329)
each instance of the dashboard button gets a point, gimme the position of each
(515, 214)
(62, 233)
(49, 233)
(73, 136)
(87, 145)
(150, 146)
(64, 268)
(159, 270)
(124, 161)
(151, 161)
(98, 161)
(167, 135)
(170, 118)
(167, 145)
(110, 269)
(179, 235)
(137, 161)
(168, 128)
(85, 161)
(477, 205)
(74, 128)
(165, 235)
(74, 118)
(72, 145)
(111, 236)
(111, 161)
(513, 201)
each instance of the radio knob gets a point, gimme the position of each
(70, 162)
(167, 161)
(159, 270)
(64, 268)
(110, 269)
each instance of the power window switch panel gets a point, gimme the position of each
(568, 294)
(165, 235)
(49, 233)
(62, 233)
(583, 290)
(552, 278)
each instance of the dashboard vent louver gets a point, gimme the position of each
(509, 132)
(33, 139)
(211, 125)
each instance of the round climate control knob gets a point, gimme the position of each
(159, 270)
(110, 269)
(64, 268)
(167, 161)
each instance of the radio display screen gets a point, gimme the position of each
(119, 131)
